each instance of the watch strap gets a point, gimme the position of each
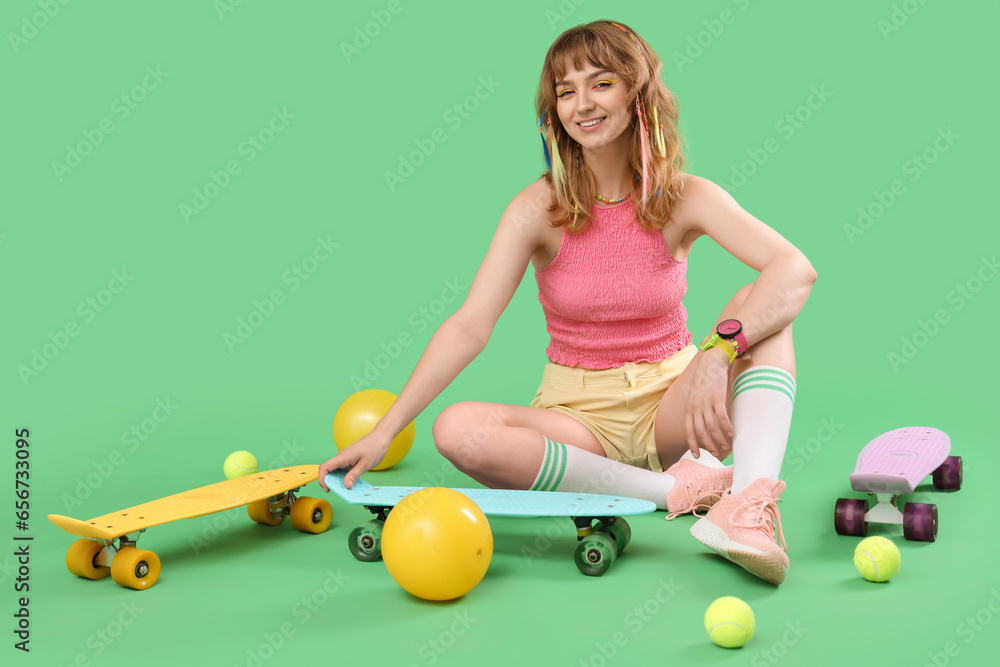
(741, 341)
(714, 340)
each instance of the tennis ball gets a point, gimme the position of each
(729, 622)
(877, 559)
(238, 464)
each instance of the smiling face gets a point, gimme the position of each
(593, 93)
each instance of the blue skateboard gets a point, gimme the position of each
(601, 532)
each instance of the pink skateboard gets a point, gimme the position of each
(892, 464)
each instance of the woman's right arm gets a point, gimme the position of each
(461, 337)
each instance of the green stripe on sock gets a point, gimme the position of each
(561, 467)
(550, 465)
(773, 374)
(767, 371)
(765, 384)
(762, 380)
(546, 471)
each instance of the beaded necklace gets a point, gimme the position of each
(635, 179)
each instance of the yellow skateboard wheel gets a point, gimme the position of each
(260, 511)
(311, 515)
(135, 568)
(80, 559)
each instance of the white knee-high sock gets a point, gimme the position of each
(567, 468)
(763, 398)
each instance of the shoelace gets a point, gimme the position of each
(704, 500)
(768, 517)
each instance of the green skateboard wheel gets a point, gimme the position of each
(365, 541)
(621, 532)
(594, 554)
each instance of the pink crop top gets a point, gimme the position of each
(613, 294)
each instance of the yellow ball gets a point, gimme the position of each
(238, 464)
(877, 559)
(437, 544)
(358, 415)
(729, 622)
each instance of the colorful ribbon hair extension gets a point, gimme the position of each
(661, 144)
(640, 109)
(623, 28)
(552, 157)
(545, 145)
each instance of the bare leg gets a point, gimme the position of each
(514, 447)
(501, 445)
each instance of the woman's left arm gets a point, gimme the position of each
(775, 299)
(786, 275)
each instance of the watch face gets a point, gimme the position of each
(729, 328)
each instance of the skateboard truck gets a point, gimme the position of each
(886, 510)
(108, 551)
(280, 503)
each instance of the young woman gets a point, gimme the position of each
(608, 229)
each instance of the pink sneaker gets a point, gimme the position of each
(697, 487)
(742, 528)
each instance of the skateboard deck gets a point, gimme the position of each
(499, 502)
(599, 543)
(208, 499)
(267, 495)
(897, 461)
(894, 464)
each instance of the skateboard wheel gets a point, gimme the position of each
(949, 474)
(595, 554)
(849, 517)
(311, 515)
(365, 541)
(621, 532)
(135, 568)
(920, 522)
(80, 559)
(260, 511)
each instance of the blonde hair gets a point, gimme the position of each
(655, 157)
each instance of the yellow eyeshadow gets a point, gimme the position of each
(569, 90)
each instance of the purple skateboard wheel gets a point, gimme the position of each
(920, 522)
(849, 517)
(949, 474)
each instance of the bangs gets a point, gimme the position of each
(582, 47)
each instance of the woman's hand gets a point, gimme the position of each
(360, 457)
(706, 420)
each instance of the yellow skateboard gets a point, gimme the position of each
(108, 543)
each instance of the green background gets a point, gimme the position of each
(892, 88)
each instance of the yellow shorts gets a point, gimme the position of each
(617, 404)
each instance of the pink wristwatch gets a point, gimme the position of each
(733, 330)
